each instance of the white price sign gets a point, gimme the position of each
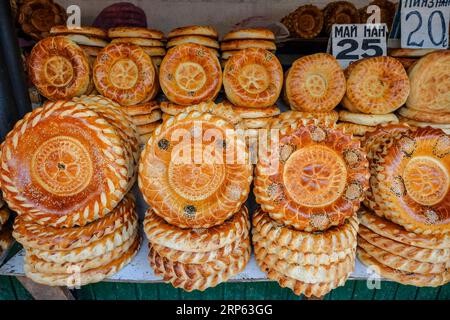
(351, 42)
(424, 23)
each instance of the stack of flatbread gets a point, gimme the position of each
(428, 103)
(237, 40)
(195, 175)
(376, 87)
(310, 186)
(146, 117)
(206, 36)
(152, 41)
(405, 236)
(68, 169)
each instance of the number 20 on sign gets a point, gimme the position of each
(424, 23)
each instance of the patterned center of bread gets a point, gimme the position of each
(374, 87)
(196, 179)
(316, 85)
(343, 18)
(307, 22)
(42, 19)
(254, 78)
(190, 76)
(315, 176)
(62, 166)
(426, 180)
(58, 71)
(124, 74)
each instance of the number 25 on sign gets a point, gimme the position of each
(424, 23)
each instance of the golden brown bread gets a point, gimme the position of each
(249, 33)
(85, 30)
(308, 21)
(207, 31)
(135, 32)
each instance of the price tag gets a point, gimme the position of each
(424, 23)
(351, 42)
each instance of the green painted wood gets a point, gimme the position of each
(234, 291)
(427, 293)
(387, 291)
(343, 293)
(21, 292)
(406, 293)
(85, 293)
(256, 291)
(147, 291)
(215, 293)
(167, 292)
(126, 291)
(273, 291)
(105, 291)
(361, 291)
(6, 289)
(444, 293)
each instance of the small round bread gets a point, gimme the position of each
(135, 32)
(315, 83)
(148, 128)
(253, 78)
(425, 115)
(255, 113)
(245, 44)
(139, 109)
(190, 74)
(308, 21)
(206, 31)
(430, 83)
(403, 277)
(193, 192)
(70, 175)
(201, 40)
(367, 119)
(59, 68)
(140, 42)
(155, 51)
(250, 33)
(315, 178)
(143, 119)
(413, 182)
(339, 12)
(125, 74)
(376, 85)
(395, 232)
(87, 31)
(159, 232)
(87, 40)
(72, 278)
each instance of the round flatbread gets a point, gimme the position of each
(87, 31)
(87, 40)
(315, 179)
(201, 40)
(140, 42)
(255, 113)
(308, 21)
(206, 31)
(425, 124)
(425, 115)
(250, 33)
(367, 119)
(315, 83)
(245, 44)
(59, 68)
(135, 32)
(405, 52)
(377, 85)
(253, 78)
(217, 187)
(143, 119)
(125, 74)
(155, 51)
(359, 130)
(190, 74)
(339, 12)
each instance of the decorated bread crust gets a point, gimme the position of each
(49, 238)
(201, 40)
(415, 123)
(83, 278)
(135, 32)
(188, 278)
(339, 12)
(43, 266)
(376, 85)
(60, 182)
(139, 109)
(37, 17)
(140, 42)
(245, 44)
(354, 129)
(4, 216)
(253, 78)
(88, 31)
(315, 178)
(414, 191)
(425, 115)
(326, 242)
(308, 21)
(250, 33)
(406, 251)
(255, 113)
(59, 68)
(430, 83)
(288, 117)
(315, 83)
(190, 74)
(125, 74)
(196, 240)
(207, 31)
(258, 123)
(407, 278)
